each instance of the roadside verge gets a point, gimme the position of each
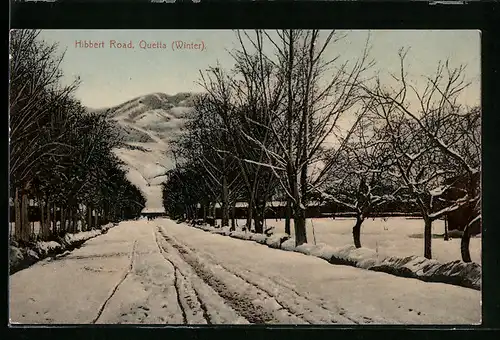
(24, 257)
(456, 272)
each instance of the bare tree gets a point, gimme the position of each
(311, 111)
(360, 179)
(245, 96)
(283, 101)
(206, 143)
(427, 142)
(35, 93)
(60, 156)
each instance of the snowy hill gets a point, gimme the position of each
(148, 123)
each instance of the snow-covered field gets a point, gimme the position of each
(395, 236)
(162, 272)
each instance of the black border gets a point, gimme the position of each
(250, 332)
(483, 16)
(272, 14)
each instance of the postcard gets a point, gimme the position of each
(291, 176)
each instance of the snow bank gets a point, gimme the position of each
(288, 245)
(106, 227)
(240, 235)
(456, 272)
(23, 257)
(259, 238)
(275, 240)
(320, 250)
(222, 231)
(352, 256)
(47, 248)
(71, 239)
(206, 228)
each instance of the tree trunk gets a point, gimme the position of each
(262, 215)
(299, 218)
(78, 218)
(17, 223)
(356, 231)
(105, 214)
(32, 230)
(48, 220)
(103, 217)
(464, 245)
(89, 217)
(74, 213)
(204, 212)
(63, 220)
(427, 238)
(288, 215)
(225, 207)
(250, 212)
(69, 218)
(258, 219)
(233, 216)
(56, 230)
(96, 223)
(43, 233)
(299, 223)
(24, 216)
(446, 236)
(259, 227)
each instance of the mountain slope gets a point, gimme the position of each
(147, 125)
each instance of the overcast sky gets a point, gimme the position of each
(111, 76)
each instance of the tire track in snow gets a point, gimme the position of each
(129, 270)
(203, 307)
(261, 287)
(177, 290)
(291, 300)
(180, 300)
(194, 305)
(176, 286)
(341, 310)
(282, 305)
(255, 304)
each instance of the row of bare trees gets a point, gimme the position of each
(416, 145)
(61, 156)
(291, 122)
(260, 126)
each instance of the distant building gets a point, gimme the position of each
(314, 209)
(460, 218)
(153, 212)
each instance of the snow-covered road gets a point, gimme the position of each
(160, 272)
